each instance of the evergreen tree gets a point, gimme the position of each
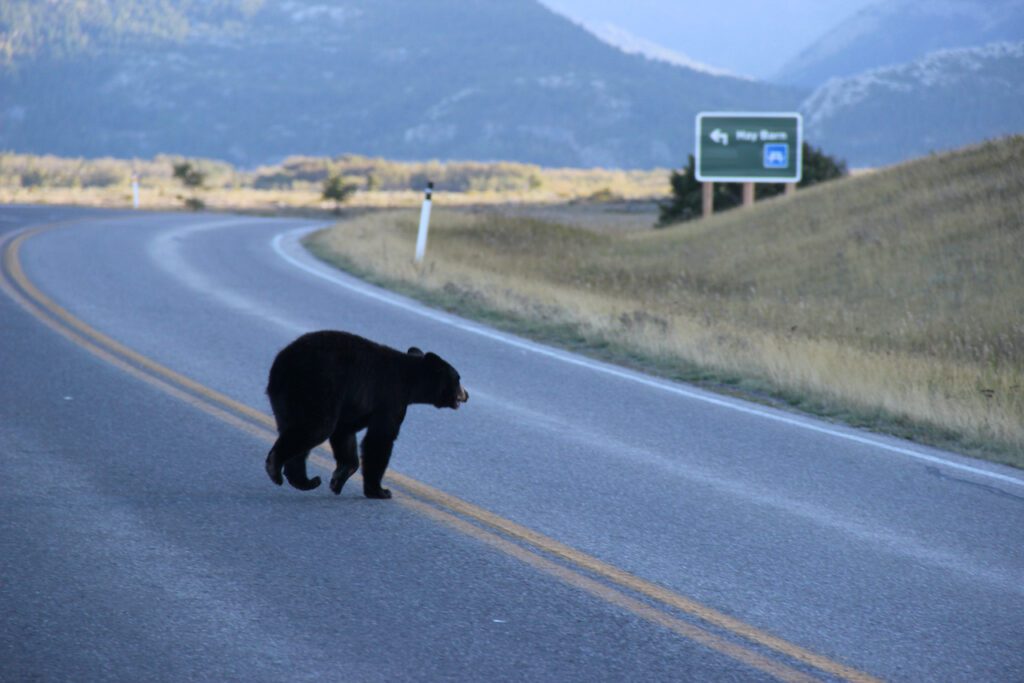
(685, 203)
(193, 179)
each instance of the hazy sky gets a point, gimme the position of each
(748, 37)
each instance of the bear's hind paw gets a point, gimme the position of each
(306, 485)
(274, 470)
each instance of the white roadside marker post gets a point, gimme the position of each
(421, 238)
(135, 190)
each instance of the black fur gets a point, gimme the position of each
(329, 385)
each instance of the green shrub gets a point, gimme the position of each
(686, 201)
(338, 190)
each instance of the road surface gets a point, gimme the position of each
(574, 521)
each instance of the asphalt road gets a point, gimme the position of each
(574, 521)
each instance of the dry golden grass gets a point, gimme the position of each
(893, 299)
(165, 198)
(244, 199)
(297, 183)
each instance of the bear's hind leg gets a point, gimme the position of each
(345, 457)
(273, 465)
(289, 455)
(295, 473)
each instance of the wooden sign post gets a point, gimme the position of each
(707, 199)
(748, 194)
(748, 148)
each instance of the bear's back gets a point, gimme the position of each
(320, 362)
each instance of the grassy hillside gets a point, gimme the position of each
(893, 300)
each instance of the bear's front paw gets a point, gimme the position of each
(339, 478)
(382, 493)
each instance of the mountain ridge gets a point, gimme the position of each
(254, 82)
(900, 31)
(944, 100)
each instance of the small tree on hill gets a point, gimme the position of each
(338, 191)
(193, 179)
(686, 199)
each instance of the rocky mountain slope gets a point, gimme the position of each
(944, 100)
(899, 31)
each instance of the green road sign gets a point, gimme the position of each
(741, 147)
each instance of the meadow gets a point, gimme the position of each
(891, 300)
(295, 185)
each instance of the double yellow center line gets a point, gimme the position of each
(688, 618)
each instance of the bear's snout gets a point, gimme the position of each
(462, 397)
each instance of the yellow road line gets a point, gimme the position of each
(228, 410)
(13, 267)
(33, 307)
(630, 581)
(613, 596)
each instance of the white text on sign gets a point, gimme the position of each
(760, 135)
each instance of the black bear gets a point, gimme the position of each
(328, 385)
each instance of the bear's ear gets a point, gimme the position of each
(413, 351)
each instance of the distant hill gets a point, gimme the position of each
(253, 81)
(944, 100)
(899, 31)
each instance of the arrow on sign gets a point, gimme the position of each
(720, 136)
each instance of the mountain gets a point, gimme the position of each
(944, 100)
(751, 37)
(630, 43)
(900, 31)
(253, 81)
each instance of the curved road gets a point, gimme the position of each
(574, 521)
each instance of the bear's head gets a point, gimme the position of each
(446, 390)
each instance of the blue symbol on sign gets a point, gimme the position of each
(776, 155)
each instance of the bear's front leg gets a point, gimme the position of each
(377, 445)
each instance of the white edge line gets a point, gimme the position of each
(437, 316)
